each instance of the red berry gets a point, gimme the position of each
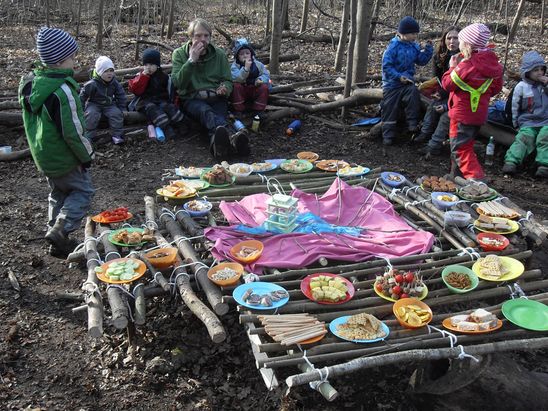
(399, 278)
(379, 288)
(404, 295)
(396, 290)
(409, 277)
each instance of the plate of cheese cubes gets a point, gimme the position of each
(477, 322)
(326, 288)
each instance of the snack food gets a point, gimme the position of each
(198, 205)
(133, 237)
(331, 165)
(476, 191)
(191, 172)
(258, 167)
(296, 166)
(447, 198)
(308, 156)
(496, 209)
(361, 327)
(434, 183)
(414, 315)
(327, 288)
(120, 270)
(218, 175)
(458, 280)
(248, 252)
(114, 215)
(477, 320)
(492, 267)
(396, 284)
(177, 189)
(494, 224)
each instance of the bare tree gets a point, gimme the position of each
(276, 39)
(47, 13)
(343, 36)
(100, 25)
(79, 18)
(139, 23)
(171, 22)
(304, 17)
(515, 22)
(543, 5)
(349, 53)
(361, 50)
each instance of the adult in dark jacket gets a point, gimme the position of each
(104, 96)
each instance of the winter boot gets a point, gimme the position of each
(542, 171)
(509, 168)
(239, 142)
(59, 240)
(220, 143)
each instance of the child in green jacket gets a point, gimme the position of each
(54, 125)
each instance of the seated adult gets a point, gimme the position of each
(435, 125)
(201, 75)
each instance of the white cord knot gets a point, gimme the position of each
(462, 355)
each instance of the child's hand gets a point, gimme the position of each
(543, 80)
(405, 80)
(247, 64)
(150, 69)
(221, 90)
(455, 60)
(258, 82)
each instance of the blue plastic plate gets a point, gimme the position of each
(272, 167)
(354, 172)
(259, 288)
(341, 320)
(276, 161)
(386, 179)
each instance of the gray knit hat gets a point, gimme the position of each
(55, 45)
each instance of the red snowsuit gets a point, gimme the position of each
(465, 123)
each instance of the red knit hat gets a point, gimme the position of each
(477, 35)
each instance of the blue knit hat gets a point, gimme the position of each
(408, 25)
(151, 56)
(55, 45)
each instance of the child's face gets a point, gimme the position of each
(536, 73)
(452, 40)
(108, 75)
(244, 55)
(69, 63)
(410, 37)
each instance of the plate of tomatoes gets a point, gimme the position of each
(116, 215)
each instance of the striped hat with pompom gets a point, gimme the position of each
(477, 35)
(55, 45)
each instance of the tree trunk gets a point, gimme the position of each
(304, 17)
(339, 57)
(171, 19)
(376, 10)
(285, 13)
(268, 27)
(276, 38)
(79, 18)
(543, 7)
(47, 13)
(515, 22)
(361, 50)
(100, 25)
(349, 53)
(164, 16)
(139, 14)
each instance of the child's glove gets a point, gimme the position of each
(258, 82)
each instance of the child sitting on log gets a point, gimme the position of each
(250, 77)
(530, 115)
(54, 125)
(474, 76)
(104, 96)
(398, 70)
(155, 95)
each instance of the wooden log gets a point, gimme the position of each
(189, 225)
(92, 296)
(15, 155)
(12, 119)
(293, 86)
(418, 355)
(199, 269)
(139, 314)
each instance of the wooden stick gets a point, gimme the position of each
(92, 295)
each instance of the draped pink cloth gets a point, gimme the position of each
(384, 232)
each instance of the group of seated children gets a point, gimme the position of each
(469, 74)
(156, 96)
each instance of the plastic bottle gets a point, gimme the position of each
(490, 152)
(151, 132)
(256, 123)
(293, 127)
(238, 125)
(160, 136)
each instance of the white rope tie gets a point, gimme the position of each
(406, 190)
(445, 334)
(516, 292)
(98, 260)
(393, 192)
(315, 385)
(166, 211)
(182, 210)
(388, 263)
(94, 288)
(152, 223)
(250, 278)
(526, 218)
(135, 289)
(473, 254)
(463, 355)
(112, 252)
(183, 238)
(414, 203)
(128, 225)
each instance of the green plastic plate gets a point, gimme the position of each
(528, 314)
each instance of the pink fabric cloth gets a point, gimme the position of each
(384, 233)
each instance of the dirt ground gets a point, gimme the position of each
(47, 361)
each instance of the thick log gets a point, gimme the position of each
(139, 315)
(189, 225)
(293, 86)
(12, 119)
(92, 295)
(15, 155)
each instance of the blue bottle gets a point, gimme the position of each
(293, 127)
(238, 125)
(160, 136)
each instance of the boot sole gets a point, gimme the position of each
(221, 143)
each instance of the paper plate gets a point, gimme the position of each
(513, 224)
(197, 184)
(447, 324)
(196, 172)
(259, 288)
(515, 266)
(233, 178)
(140, 271)
(528, 314)
(308, 156)
(353, 171)
(493, 195)
(305, 165)
(421, 297)
(99, 219)
(331, 165)
(259, 168)
(275, 161)
(305, 288)
(129, 230)
(341, 320)
(385, 177)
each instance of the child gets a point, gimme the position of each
(398, 69)
(530, 114)
(104, 96)
(54, 125)
(474, 76)
(250, 77)
(155, 95)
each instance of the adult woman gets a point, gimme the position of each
(435, 125)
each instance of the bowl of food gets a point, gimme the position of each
(412, 313)
(308, 156)
(197, 208)
(162, 257)
(459, 279)
(247, 251)
(225, 274)
(492, 241)
(240, 169)
(392, 179)
(444, 200)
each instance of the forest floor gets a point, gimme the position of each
(47, 361)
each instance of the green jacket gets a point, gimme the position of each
(208, 73)
(54, 120)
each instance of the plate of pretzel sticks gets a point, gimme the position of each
(496, 209)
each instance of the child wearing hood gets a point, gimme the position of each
(398, 84)
(104, 96)
(250, 77)
(474, 76)
(530, 115)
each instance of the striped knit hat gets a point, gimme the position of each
(55, 45)
(477, 35)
